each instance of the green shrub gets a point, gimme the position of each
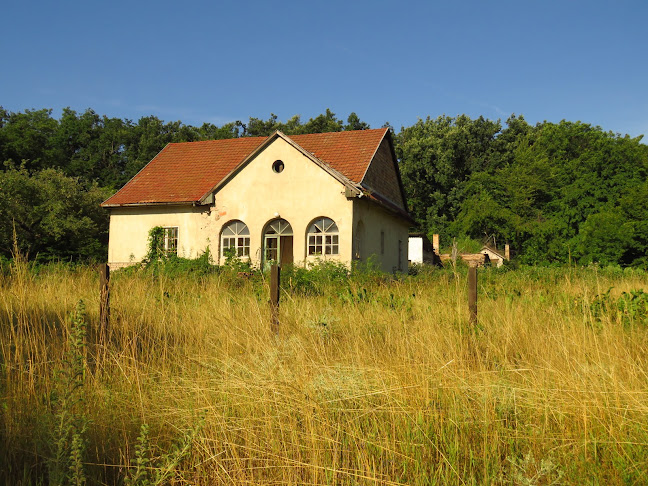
(628, 309)
(315, 279)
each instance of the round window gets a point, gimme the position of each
(278, 166)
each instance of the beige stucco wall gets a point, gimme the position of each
(302, 192)
(376, 220)
(130, 226)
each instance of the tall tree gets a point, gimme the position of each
(54, 216)
(326, 122)
(354, 123)
(436, 159)
(27, 137)
(559, 196)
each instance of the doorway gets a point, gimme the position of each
(278, 243)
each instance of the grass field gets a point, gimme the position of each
(371, 380)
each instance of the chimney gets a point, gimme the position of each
(435, 243)
(507, 251)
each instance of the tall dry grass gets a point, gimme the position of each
(369, 382)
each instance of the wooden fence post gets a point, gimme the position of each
(275, 286)
(104, 300)
(472, 294)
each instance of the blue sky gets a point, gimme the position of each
(387, 61)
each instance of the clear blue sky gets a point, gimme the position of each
(387, 61)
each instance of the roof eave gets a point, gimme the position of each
(168, 203)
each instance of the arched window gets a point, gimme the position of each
(236, 237)
(323, 237)
(278, 242)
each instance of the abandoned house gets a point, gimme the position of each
(291, 199)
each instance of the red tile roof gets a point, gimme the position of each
(186, 172)
(347, 152)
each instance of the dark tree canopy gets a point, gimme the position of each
(53, 216)
(555, 192)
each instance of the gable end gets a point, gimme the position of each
(348, 184)
(382, 175)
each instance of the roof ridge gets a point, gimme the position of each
(215, 140)
(366, 130)
(285, 134)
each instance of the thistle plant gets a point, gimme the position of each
(70, 422)
(147, 471)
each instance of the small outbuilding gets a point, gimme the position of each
(420, 249)
(495, 256)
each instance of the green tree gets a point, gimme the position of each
(605, 237)
(147, 138)
(93, 147)
(634, 207)
(326, 122)
(354, 123)
(27, 137)
(437, 158)
(262, 128)
(556, 190)
(209, 131)
(54, 216)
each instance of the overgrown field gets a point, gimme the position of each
(371, 380)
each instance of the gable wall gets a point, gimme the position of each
(381, 175)
(299, 194)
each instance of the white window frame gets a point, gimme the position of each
(235, 234)
(323, 238)
(170, 240)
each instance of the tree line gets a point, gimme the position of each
(556, 192)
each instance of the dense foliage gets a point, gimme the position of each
(556, 192)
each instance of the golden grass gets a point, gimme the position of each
(369, 383)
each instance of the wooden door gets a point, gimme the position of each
(286, 249)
